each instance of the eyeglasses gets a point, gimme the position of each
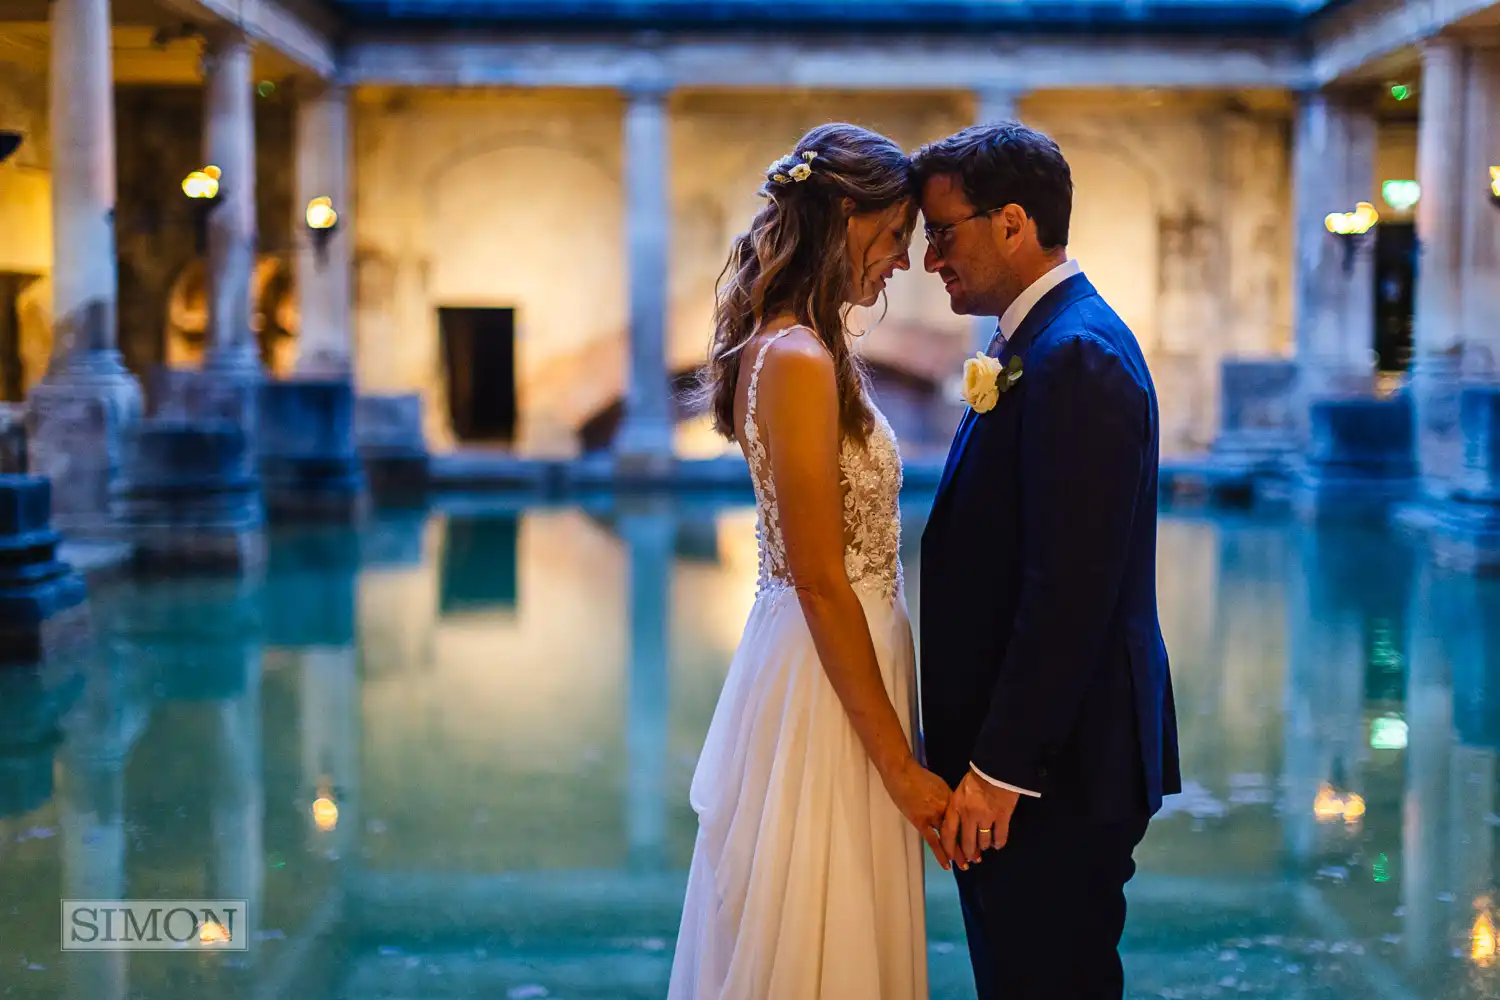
(940, 237)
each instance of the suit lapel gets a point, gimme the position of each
(1051, 305)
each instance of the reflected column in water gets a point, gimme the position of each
(1475, 618)
(329, 749)
(398, 592)
(1429, 718)
(312, 583)
(205, 637)
(648, 531)
(98, 735)
(1349, 583)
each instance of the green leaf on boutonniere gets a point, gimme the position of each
(1012, 374)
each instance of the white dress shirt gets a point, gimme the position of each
(1010, 322)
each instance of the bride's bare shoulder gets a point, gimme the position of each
(797, 353)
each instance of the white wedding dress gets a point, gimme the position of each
(806, 881)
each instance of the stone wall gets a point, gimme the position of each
(159, 141)
(513, 199)
(26, 215)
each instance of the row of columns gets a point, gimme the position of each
(1456, 323)
(82, 411)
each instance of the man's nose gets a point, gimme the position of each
(931, 260)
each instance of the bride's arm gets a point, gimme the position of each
(798, 411)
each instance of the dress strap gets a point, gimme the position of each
(752, 391)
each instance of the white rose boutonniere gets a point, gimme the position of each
(985, 379)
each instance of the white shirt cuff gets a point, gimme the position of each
(1013, 788)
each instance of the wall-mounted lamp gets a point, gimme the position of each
(1494, 185)
(322, 220)
(1401, 195)
(9, 143)
(202, 190)
(1351, 228)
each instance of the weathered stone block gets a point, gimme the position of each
(76, 433)
(309, 464)
(37, 589)
(1258, 411)
(189, 500)
(1466, 535)
(1361, 458)
(388, 434)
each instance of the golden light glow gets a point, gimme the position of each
(320, 214)
(1495, 181)
(1354, 808)
(1328, 806)
(213, 932)
(1355, 223)
(202, 183)
(1482, 940)
(325, 813)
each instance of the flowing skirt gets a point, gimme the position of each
(806, 881)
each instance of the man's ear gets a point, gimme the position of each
(1013, 220)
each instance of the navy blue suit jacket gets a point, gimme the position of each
(1042, 657)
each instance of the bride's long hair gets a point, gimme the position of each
(795, 259)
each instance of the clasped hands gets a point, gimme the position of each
(959, 825)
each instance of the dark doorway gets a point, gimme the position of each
(12, 388)
(479, 356)
(1395, 281)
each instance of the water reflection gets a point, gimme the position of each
(449, 755)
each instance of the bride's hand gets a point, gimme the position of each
(922, 798)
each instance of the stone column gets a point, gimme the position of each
(229, 144)
(991, 104)
(1437, 332)
(80, 413)
(645, 434)
(1479, 248)
(1333, 169)
(324, 281)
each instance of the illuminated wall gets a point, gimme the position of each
(26, 214)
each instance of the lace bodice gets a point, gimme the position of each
(870, 479)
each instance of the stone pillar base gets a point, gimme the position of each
(388, 436)
(189, 503)
(77, 424)
(1465, 533)
(1361, 461)
(309, 466)
(41, 598)
(1258, 415)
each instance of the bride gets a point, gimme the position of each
(806, 879)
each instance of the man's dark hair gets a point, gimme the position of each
(1004, 163)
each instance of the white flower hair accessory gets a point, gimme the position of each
(798, 173)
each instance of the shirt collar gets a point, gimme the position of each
(1010, 321)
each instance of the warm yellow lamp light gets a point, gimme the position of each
(320, 214)
(1355, 223)
(202, 184)
(1482, 940)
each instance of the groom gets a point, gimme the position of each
(1046, 698)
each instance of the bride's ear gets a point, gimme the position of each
(847, 204)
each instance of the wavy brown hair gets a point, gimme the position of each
(795, 259)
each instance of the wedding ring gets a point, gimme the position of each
(984, 829)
